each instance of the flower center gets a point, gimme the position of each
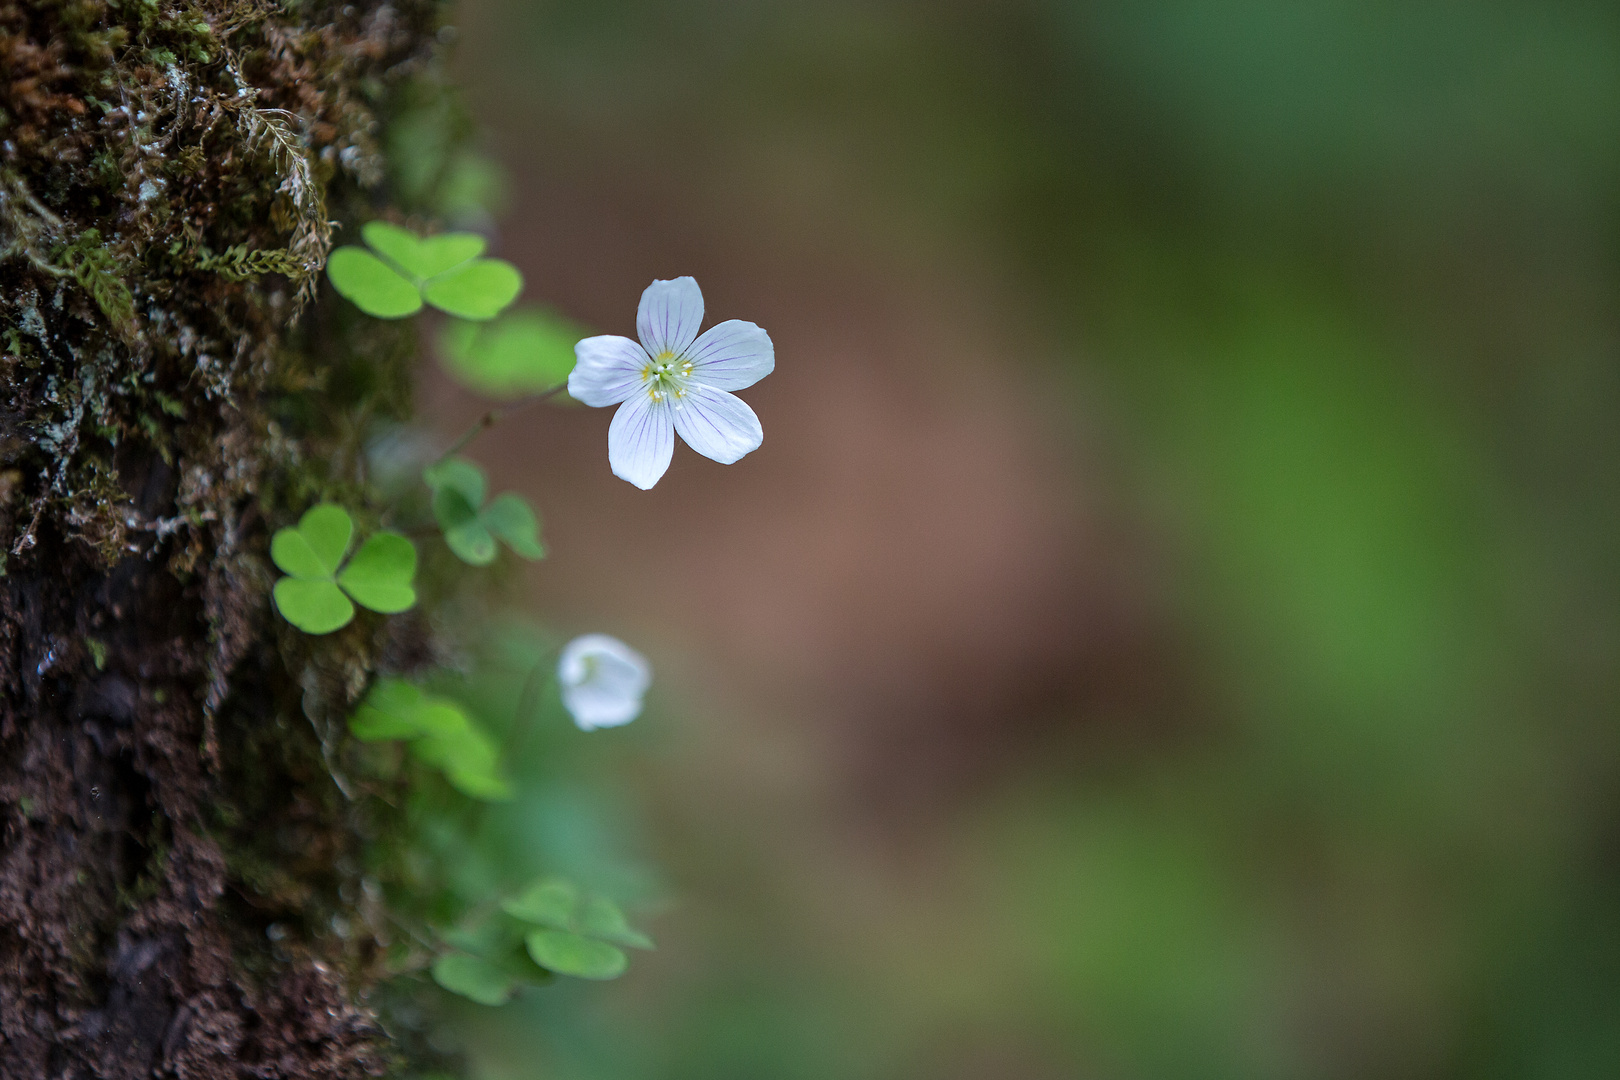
(665, 377)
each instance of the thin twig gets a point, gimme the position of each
(491, 418)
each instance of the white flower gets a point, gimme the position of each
(673, 381)
(603, 680)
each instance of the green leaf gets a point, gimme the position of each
(458, 491)
(379, 576)
(477, 290)
(471, 977)
(371, 284)
(460, 475)
(547, 902)
(315, 607)
(520, 353)
(443, 736)
(512, 519)
(601, 918)
(570, 954)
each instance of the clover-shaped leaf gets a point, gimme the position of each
(470, 527)
(520, 353)
(439, 734)
(575, 935)
(401, 270)
(315, 595)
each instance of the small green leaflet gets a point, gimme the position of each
(576, 935)
(439, 733)
(576, 955)
(470, 527)
(316, 593)
(522, 352)
(402, 270)
(473, 977)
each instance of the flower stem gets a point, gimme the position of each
(489, 419)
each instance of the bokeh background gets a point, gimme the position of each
(1171, 627)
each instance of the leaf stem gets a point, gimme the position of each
(489, 419)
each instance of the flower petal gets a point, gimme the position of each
(641, 441)
(717, 425)
(607, 369)
(669, 316)
(732, 355)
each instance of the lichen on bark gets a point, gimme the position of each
(179, 891)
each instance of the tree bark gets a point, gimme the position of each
(179, 880)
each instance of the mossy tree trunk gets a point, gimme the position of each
(179, 886)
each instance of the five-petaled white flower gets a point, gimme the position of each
(673, 381)
(603, 681)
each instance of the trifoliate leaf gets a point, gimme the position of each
(458, 491)
(402, 270)
(571, 954)
(371, 284)
(601, 918)
(477, 290)
(379, 576)
(520, 353)
(548, 902)
(467, 975)
(315, 607)
(439, 732)
(512, 519)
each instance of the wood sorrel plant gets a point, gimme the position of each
(256, 695)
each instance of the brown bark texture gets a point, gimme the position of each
(179, 867)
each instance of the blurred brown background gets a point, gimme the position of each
(1169, 629)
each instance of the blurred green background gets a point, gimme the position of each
(1171, 627)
